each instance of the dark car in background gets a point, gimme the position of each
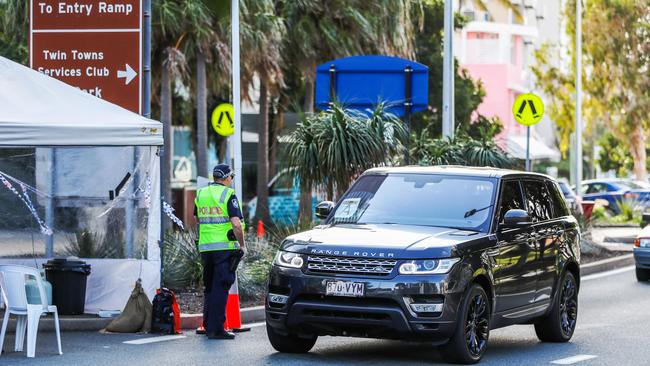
(642, 254)
(616, 190)
(435, 254)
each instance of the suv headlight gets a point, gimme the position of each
(427, 266)
(288, 259)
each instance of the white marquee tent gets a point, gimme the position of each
(81, 148)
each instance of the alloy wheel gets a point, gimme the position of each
(568, 306)
(476, 326)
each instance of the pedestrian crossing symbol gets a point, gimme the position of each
(223, 119)
(528, 109)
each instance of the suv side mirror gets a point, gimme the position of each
(516, 218)
(324, 209)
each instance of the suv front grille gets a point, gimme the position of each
(339, 265)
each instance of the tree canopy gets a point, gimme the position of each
(616, 79)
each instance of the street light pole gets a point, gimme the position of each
(578, 126)
(236, 98)
(448, 73)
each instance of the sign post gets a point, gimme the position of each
(528, 110)
(223, 119)
(93, 45)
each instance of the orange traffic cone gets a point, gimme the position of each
(233, 316)
(260, 229)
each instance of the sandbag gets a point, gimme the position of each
(136, 317)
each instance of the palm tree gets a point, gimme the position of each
(331, 148)
(14, 30)
(199, 39)
(167, 22)
(320, 30)
(262, 32)
(395, 24)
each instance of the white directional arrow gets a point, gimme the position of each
(128, 74)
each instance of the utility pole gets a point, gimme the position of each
(236, 99)
(448, 73)
(578, 126)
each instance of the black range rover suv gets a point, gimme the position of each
(437, 254)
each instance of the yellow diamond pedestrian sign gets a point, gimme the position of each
(223, 119)
(528, 109)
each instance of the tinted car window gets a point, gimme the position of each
(596, 188)
(539, 200)
(511, 198)
(559, 204)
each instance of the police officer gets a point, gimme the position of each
(221, 234)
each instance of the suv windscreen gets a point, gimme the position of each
(419, 199)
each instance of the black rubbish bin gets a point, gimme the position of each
(68, 279)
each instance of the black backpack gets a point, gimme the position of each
(164, 314)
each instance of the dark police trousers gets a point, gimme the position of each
(217, 279)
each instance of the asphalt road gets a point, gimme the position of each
(613, 324)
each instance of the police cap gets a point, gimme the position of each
(222, 171)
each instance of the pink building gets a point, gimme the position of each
(495, 49)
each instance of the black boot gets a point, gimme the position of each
(221, 335)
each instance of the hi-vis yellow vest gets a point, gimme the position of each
(212, 209)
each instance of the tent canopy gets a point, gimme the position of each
(516, 147)
(37, 110)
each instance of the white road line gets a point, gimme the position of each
(574, 359)
(155, 339)
(608, 273)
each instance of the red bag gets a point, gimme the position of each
(166, 315)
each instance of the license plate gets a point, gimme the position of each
(343, 288)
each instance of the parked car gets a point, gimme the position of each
(442, 254)
(573, 201)
(284, 199)
(642, 253)
(615, 191)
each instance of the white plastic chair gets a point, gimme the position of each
(12, 286)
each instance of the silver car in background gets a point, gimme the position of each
(573, 201)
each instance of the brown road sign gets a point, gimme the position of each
(93, 45)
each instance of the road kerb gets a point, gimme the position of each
(607, 264)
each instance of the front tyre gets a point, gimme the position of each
(470, 339)
(289, 343)
(559, 324)
(642, 274)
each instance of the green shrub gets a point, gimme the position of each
(462, 150)
(630, 213)
(183, 269)
(253, 273)
(599, 213)
(88, 244)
